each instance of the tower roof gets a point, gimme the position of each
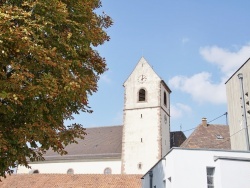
(142, 62)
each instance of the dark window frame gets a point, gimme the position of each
(142, 95)
(210, 177)
(165, 98)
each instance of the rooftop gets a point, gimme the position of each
(100, 142)
(209, 136)
(70, 181)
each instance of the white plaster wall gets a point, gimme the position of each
(82, 167)
(142, 128)
(141, 140)
(165, 126)
(165, 135)
(187, 168)
(238, 141)
(145, 134)
(151, 85)
(165, 107)
(233, 174)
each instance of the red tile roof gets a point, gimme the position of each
(210, 136)
(71, 181)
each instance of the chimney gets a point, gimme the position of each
(204, 122)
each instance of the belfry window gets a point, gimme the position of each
(165, 98)
(142, 95)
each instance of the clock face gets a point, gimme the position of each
(142, 78)
(165, 119)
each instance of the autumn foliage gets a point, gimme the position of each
(48, 68)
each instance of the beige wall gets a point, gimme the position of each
(236, 123)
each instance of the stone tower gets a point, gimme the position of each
(146, 120)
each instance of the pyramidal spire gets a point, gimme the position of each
(142, 68)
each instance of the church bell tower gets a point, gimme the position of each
(146, 120)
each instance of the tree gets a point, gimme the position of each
(48, 67)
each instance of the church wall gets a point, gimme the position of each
(79, 167)
(165, 120)
(133, 85)
(142, 138)
(145, 132)
(166, 107)
(165, 141)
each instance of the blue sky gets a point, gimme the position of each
(193, 45)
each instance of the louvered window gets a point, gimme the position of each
(142, 95)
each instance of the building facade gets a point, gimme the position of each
(146, 119)
(238, 97)
(200, 168)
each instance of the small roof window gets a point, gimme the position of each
(219, 137)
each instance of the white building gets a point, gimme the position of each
(238, 93)
(132, 148)
(196, 168)
(146, 120)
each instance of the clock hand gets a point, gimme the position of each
(142, 77)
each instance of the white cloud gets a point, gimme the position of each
(200, 86)
(228, 62)
(178, 110)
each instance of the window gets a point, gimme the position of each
(142, 95)
(165, 98)
(139, 165)
(219, 137)
(210, 177)
(107, 171)
(36, 172)
(70, 171)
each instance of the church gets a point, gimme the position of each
(131, 148)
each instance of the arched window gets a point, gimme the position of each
(36, 172)
(142, 95)
(70, 171)
(107, 171)
(165, 98)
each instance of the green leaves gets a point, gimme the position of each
(48, 67)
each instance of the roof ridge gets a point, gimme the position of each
(103, 126)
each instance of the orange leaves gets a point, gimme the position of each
(48, 68)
